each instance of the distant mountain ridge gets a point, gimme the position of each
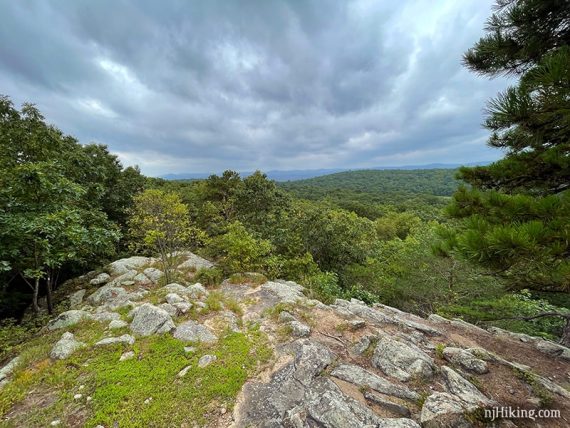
(302, 174)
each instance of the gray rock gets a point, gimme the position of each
(363, 378)
(149, 319)
(438, 319)
(125, 339)
(195, 262)
(100, 279)
(176, 288)
(184, 371)
(117, 324)
(106, 293)
(174, 298)
(141, 278)
(286, 292)
(182, 307)
(76, 298)
(172, 311)
(123, 279)
(463, 389)
(362, 345)
(206, 360)
(444, 410)
(387, 404)
(298, 329)
(285, 316)
(356, 324)
(465, 360)
(153, 274)
(122, 266)
(105, 316)
(127, 283)
(191, 331)
(129, 355)
(402, 360)
(65, 347)
(190, 349)
(68, 319)
(9, 368)
(196, 291)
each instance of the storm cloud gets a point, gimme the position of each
(178, 86)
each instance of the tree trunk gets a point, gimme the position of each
(49, 289)
(35, 305)
(565, 339)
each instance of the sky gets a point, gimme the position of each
(180, 86)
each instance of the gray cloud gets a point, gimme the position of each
(180, 86)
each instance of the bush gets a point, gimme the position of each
(209, 277)
(323, 286)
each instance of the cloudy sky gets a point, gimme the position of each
(200, 86)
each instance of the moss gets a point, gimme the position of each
(544, 396)
(119, 389)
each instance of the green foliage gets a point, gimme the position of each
(323, 286)
(160, 222)
(240, 251)
(209, 276)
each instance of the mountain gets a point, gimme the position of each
(301, 174)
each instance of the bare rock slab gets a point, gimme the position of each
(65, 347)
(191, 331)
(149, 319)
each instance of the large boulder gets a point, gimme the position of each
(68, 319)
(100, 279)
(194, 262)
(125, 339)
(444, 410)
(285, 291)
(191, 331)
(8, 369)
(76, 298)
(465, 359)
(463, 389)
(365, 379)
(65, 347)
(402, 360)
(122, 266)
(105, 294)
(149, 319)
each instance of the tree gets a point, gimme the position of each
(517, 212)
(240, 251)
(160, 222)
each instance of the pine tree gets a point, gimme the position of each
(517, 210)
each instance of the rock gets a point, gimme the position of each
(126, 339)
(468, 326)
(196, 291)
(174, 298)
(78, 396)
(100, 279)
(285, 316)
(356, 324)
(387, 404)
(129, 355)
(117, 324)
(176, 288)
(65, 347)
(55, 423)
(463, 389)
(402, 360)
(206, 360)
(127, 283)
(104, 294)
(153, 274)
(122, 266)
(76, 298)
(550, 348)
(444, 410)
(68, 319)
(298, 329)
(362, 345)
(105, 316)
(438, 319)
(149, 319)
(363, 378)
(123, 279)
(141, 278)
(182, 307)
(8, 368)
(195, 262)
(190, 349)
(285, 291)
(172, 311)
(465, 360)
(191, 331)
(184, 371)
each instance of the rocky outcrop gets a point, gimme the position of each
(402, 360)
(149, 319)
(191, 331)
(65, 347)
